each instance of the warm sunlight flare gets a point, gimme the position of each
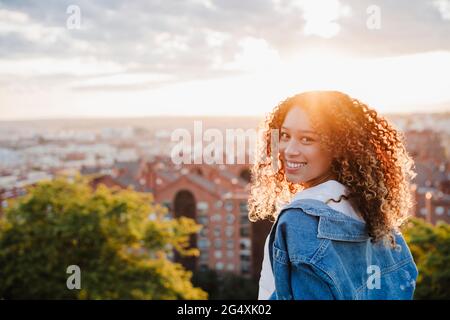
(227, 64)
(259, 79)
(321, 17)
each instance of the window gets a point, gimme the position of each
(245, 267)
(229, 206)
(439, 211)
(229, 231)
(216, 217)
(218, 244)
(244, 217)
(219, 266)
(245, 244)
(217, 232)
(230, 267)
(218, 254)
(245, 220)
(204, 232)
(230, 218)
(202, 220)
(243, 207)
(219, 204)
(203, 243)
(202, 207)
(245, 231)
(230, 244)
(245, 257)
(230, 254)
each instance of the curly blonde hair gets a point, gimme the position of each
(369, 158)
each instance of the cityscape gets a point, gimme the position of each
(141, 140)
(136, 153)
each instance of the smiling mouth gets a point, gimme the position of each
(295, 165)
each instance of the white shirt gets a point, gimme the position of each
(330, 189)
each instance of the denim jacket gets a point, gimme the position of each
(317, 252)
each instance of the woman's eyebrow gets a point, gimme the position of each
(300, 131)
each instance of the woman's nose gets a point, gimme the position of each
(292, 149)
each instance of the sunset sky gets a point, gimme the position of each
(228, 57)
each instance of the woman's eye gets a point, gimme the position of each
(306, 139)
(284, 135)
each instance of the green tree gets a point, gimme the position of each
(120, 239)
(430, 247)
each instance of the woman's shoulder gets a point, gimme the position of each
(312, 220)
(314, 207)
(296, 232)
(302, 214)
(297, 213)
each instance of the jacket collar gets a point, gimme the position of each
(333, 225)
(330, 189)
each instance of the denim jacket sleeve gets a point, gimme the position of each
(296, 275)
(312, 287)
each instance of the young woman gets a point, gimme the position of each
(334, 177)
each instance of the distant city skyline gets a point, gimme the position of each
(218, 58)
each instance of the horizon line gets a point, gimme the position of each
(212, 116)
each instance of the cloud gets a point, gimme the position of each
(444, 8)
(320, 17)
(19, 23)
(178, 35)
(52, 66)
(147, 44)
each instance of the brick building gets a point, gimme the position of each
(431, 204)
(431, 189)
(215, 196)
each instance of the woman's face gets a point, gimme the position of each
(303, 157)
